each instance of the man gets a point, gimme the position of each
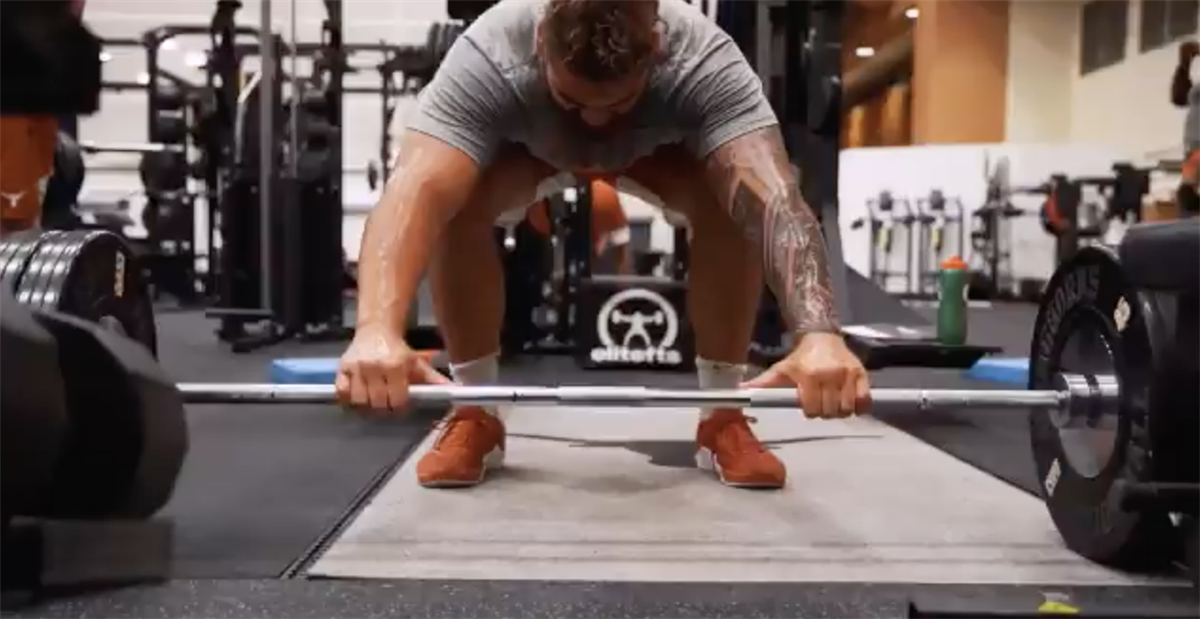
(609, 226)
(27, 144)
(649, 91)
(1185, 93)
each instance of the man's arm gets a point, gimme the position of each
(431, 182)
(445, 144)
(756, 184)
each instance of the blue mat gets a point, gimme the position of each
(321, 371)
(1007, 370)
(310, 371)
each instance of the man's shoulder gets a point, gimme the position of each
(689, 34)
(506, 33)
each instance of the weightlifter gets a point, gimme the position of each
(27, 145)
(536, 94)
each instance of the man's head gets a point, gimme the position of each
(597, 55)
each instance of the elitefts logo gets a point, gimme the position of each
(637, 326)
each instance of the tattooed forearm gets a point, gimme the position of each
(755, 182)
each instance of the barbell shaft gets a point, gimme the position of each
(917, 399)
(129, 147)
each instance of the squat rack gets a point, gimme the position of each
(808, 100)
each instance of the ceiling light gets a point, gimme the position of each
(912, 12)
(168, 45)
(105, 56)
(143, 78)
(864, 52)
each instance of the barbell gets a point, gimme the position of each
(1112, 410)
(1078, 393)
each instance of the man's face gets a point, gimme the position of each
(598, 107)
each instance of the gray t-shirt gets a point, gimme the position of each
(1191, 122)
(489, 90)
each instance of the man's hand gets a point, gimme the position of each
(376, 370)
(1187, 51)
(830, 380)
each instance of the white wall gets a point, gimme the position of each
(1127, 105)
(1124, 107)
(1041, 66)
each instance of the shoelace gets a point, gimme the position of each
(458, 431)
(738, 436)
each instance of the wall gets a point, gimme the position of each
(1123, 107)
(1042, 65)
(959, 71)
(1126, 105)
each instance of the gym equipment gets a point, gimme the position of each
(279, 271)
(991, 238)
(632, 322)
(1130, 186)
(323, 370)
(63, 186)
(1148, 246)
(1073, 220)
(885, 213)
(90, 274)
(129, 147)
(1076, 393)
(935, 214)
(34, 406)
(1112, 474)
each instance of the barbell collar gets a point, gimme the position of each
(437, 395)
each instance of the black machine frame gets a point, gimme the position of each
(280, 265)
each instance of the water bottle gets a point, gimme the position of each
(952, 302)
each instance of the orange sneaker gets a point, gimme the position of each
(471, 442)
(727, 447)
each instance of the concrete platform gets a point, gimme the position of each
(612, 495)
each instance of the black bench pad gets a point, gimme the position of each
(1163, 256)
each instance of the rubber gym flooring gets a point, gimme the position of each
(303, 511)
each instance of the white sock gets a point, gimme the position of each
(479, 372)
(718, 375)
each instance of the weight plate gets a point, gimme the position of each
(34, 423)
(1092, 322)
(91, 274)
(127, 435)
(41, 262)
(15, 252)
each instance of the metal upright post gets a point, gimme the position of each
(268, 53)
(813, 101)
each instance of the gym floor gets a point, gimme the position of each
(304, 511)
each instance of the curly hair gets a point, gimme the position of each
(601, 40)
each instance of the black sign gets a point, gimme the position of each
(633, 322)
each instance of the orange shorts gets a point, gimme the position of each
(26, 162)
(608, 218)
(1191, 168)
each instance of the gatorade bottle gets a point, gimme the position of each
(952, 302)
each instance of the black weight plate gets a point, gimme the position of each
(15, 252)
(37, 265)
(53, 256)
(92, 274)
(127, 437)
(33, 425)
(1092, 321)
